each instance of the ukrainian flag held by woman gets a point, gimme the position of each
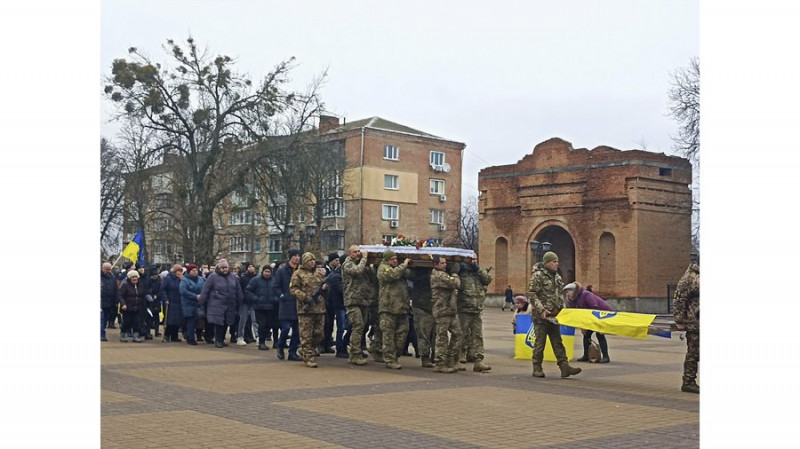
(133, 251)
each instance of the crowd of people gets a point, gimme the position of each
(376, 310)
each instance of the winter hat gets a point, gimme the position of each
(306, 257)
(570, 287)
(191, 267)
(294, 252)
(387, 254)
(332, 257)
(549, 257)
(521, 298)
(163, 274)
(133, 274)
(223, 263)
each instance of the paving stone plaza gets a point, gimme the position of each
(156, 395)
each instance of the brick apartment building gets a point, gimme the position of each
(619, 220)
(396, 180)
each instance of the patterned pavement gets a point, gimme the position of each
(157, 395)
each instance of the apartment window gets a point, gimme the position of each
(391, 212)
(242, 244)
(275, 244)
(388, 237)
(390, 152)
(163, 223)
(390, 182)
(437, 216)
(244, 216)
(437, 158)
(333, 207)
(333, 239)
(437, 187)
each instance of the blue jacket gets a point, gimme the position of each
(189, 289)
(335, 298)
(260, 295)
(170, 291)
(280, 288)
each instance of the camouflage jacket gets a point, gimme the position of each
(443, 286)
(357, 291)
(303, 284)
(686, 306)
(393, 289)
(545, 292)
(473, 290)
(372, 285)
(421, 294)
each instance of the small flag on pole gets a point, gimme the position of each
(133, 251)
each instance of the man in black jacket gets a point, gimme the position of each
(287, 309)
(259, 294)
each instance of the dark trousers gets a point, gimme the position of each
(327, 333)
(342, 325)
(412, 336)
(109, 314)
(601, 339)
(266, 321)
(102, 324)
(171, 332)
(130, 321)
(189, 326)
(295, 341)
(209, 332)
(219, 332)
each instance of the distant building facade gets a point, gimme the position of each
(619, 220)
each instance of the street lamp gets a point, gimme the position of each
(539, 248)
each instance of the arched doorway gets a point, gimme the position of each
(563, 245)
(501, 264)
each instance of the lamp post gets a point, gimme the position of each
(539, 248)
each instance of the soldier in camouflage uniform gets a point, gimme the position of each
(304, 283)
(471, 296)
(424, 323)
(546, 296)
(373, 317)
(686, 310)
(356, 299)
(393, 306)
(444, 288)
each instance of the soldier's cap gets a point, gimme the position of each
(549, 257)
(387, 254)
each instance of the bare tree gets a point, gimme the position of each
(214, 121)
(684, 107)
(111, 194)
(466, 233)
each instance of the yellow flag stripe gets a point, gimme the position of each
(615, 323)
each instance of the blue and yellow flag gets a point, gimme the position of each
(615, 323)
(524, 338)
(133, 251)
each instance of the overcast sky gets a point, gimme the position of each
(498, 76)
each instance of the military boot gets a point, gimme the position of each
(537, 370)
(567, 370)
(378, 357)
(426, 362)
(480, 366)
(393, 365)
(357, 360)
(690, 386)
(442, 367)
(311, 363)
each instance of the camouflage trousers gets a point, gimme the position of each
(447, 348)
(472, 335)
(311, 326)
(692, 356)
(424, 326)
(542, 330)
(394, 327)
(373, 322)
(357, 316)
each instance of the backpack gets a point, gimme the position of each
(594, 352)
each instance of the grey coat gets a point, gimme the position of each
(223, 295)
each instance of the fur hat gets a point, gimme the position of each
(332, 257)
(549, 257)
(306, 257)
(191, 267)
(223, 263)
(387, 254)
(133, 274)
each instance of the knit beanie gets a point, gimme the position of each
(133, 274)
(306, 257)
(387, 254)
(549, 257)
(223, 263)
(294, 252)
(332, 257)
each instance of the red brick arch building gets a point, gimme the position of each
(619, 220)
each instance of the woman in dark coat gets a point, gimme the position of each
(258, 293)
(190, 288)
(223, 295)
(171, 295)
(132, 303)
